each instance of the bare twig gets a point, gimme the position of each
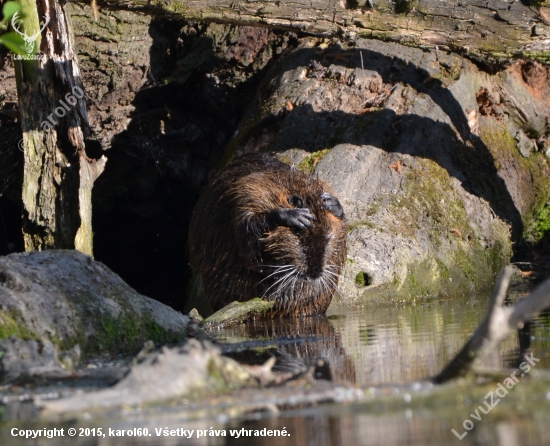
(498, 324)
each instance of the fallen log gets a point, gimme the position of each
(490, 31)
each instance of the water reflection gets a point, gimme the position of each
(407, 428)
(381, 345)
(387, 347)
(299, 344)
(334, 425)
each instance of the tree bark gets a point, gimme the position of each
(58, 176)
(490, 30)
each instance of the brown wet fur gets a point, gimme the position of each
(234, 251)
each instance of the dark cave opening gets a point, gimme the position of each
(181, 124)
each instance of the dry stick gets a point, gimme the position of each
(363, 80)
(498, 324)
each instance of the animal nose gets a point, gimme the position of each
(308, 276)
(314, 274)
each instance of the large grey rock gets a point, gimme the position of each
(66, 299)
(419, 146)
(24, 360)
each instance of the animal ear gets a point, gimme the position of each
(296, 201)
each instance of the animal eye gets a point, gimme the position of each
(308, 202)
(296, 201)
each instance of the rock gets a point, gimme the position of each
(418, 147)
(64, 302)
(525, 145)
(525, 91)
(312, 94)
(23, 360)
(171, 373)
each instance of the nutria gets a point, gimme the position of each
(264, 229)
(298, 343)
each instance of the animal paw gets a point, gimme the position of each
(332, 205)
(291, 218)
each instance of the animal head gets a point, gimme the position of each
(29, 40)
(311, 249)
(303, 261)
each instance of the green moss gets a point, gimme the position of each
(465, 262)
(405, 6)
(373, 209)
(286, 160)
(359, 224)
(309, 162)
(238, 140)
(430, 200)
(500, 253)
(502, 145)
(420, 280)
(13, 324)
(432, 203)
(126, 333)
(176, 7)
(360, 279)
(449, 73)
(65, 344)
(538, 230)
(537, 220)
(539, 56)
(443, 269)
(499, 141)
(158, 334)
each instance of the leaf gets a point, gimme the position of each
(397, 166)
(9, 9)
(13, 42)
(457, 232)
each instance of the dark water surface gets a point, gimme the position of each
(386, 351)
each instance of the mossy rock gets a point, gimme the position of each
(66, 298)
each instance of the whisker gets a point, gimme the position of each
(275, 266)
(339, 276)
(279, 271)
(323, 285)
(285, 283)
(335, 287)
(281, 279)
(331, 273)
(294, 287)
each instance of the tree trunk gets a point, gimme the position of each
(489, 30)
(58, 176)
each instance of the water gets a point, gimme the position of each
(386, 351)
(390, 344)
